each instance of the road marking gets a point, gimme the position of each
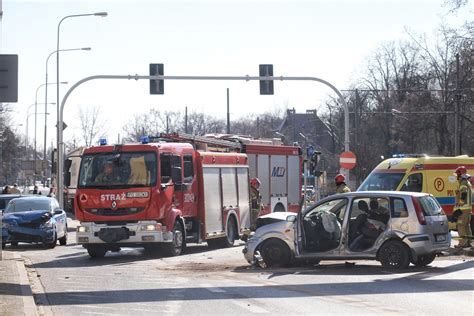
(251, 308)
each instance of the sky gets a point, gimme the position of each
(328, 39)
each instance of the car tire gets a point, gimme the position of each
(275, 253)
(394, 255)
(231, 233)
(63, 240)
(96, 251)
(424, 260)
(52, 244)
(176, 247)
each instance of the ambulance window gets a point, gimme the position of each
(398, 208)
(414, 183)
(188, 171)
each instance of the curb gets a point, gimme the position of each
(29, 305)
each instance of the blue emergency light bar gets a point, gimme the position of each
(144, 139)
(103, 141)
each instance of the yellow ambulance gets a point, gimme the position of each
(421, 173)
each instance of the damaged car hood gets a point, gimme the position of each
(273, 218)
(26, 217)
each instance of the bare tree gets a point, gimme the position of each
(92, 124)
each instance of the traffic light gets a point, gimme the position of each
(266, 86)
(156, 86)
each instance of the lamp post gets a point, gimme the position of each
(59, 179)
(46, 91)
(27, 115)
(36, 110)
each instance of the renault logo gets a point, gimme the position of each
(114, 205)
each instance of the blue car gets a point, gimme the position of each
(34, 219)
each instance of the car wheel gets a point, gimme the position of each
(96, 251)
(63, 240)
(275, 252)
(424, 260)
(53, 243)
(394, 255)
(176, 247)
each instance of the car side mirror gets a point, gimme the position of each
(291, 218)
(58, 212)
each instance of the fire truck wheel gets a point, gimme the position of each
(275, 253)
(96, 252)
(231, 233)
(176, 247)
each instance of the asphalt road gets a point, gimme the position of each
(65, 281)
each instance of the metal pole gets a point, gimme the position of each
(228, 113)
(59, 176)
(456, 110)
(186, 120)
(158, 77)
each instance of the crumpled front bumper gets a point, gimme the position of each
(27, 234)
(249, 249)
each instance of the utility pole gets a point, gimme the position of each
(228, 113)
(186, 120)
(457, 96)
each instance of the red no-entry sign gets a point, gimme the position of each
(347, 160)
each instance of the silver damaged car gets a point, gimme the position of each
(395, 228)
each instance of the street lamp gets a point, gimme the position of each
(27, 115)
(36, 109)
(59, 179)
(46, 91)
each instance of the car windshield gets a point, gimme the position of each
(25, 205)
(128, 169)
(381, 181)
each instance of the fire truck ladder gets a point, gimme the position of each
(224, 144)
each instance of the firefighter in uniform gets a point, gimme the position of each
(256, 200)
(463, 205)
(341, 186)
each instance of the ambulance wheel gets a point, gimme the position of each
(424, 260)
(96, 251)
(275, 253)
(176, 247)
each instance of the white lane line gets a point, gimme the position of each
(251, 308)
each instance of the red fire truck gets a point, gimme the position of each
(179, 189)
(278, 167)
